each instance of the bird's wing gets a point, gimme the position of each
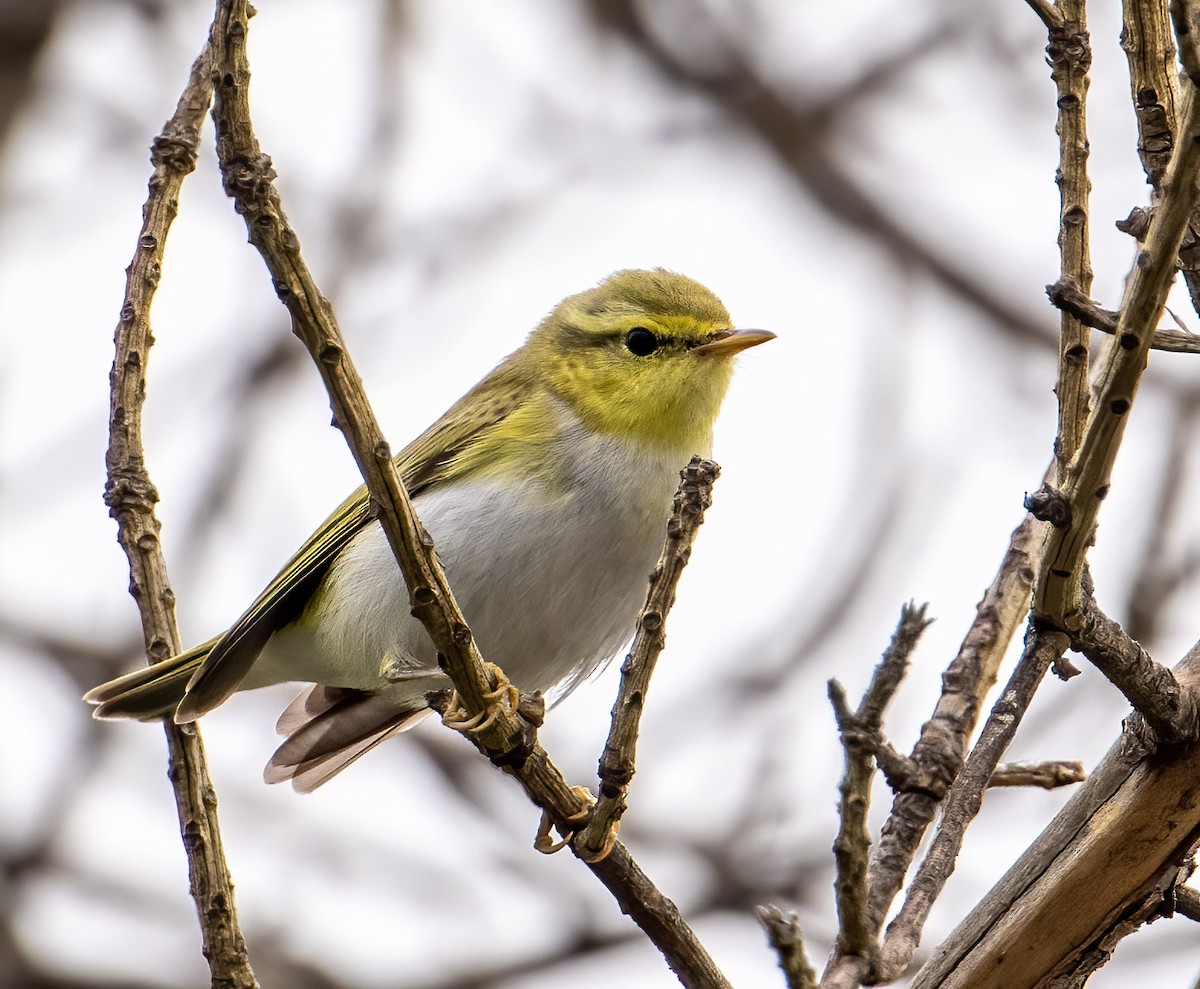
(431, 458)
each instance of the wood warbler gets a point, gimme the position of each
(546, 489)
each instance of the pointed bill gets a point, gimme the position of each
(729, 342)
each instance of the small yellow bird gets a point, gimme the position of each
(546, 489)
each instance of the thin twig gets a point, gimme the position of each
(783, 931)
(1065, 296)
(1048, 12)
(860, 735)
(1048, 775)
(1171, 710)
(506, 737)
(1070, 55)
(965, 798)
(617, 763)
(131, 496)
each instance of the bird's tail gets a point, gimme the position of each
(151, 692)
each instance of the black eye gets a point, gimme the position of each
(640, 341)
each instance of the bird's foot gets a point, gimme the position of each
(592, 853)
(503, 697)
(545, 844)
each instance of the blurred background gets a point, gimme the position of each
(874, 182)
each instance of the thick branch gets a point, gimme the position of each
(1118, 845)
(1150, 52)
(131, 496)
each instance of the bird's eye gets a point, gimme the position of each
(640, 341)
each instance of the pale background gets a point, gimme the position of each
(453, 169)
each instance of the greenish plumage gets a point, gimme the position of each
(545, 487)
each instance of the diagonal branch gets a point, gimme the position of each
(617, 763)
(1171, 710)
(506, 737)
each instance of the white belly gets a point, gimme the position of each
(549, 580)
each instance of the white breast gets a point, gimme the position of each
(550, 581)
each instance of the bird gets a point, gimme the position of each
(546, 489)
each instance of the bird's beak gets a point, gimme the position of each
(728, 342)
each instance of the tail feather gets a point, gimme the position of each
(331, 727)
(308, 704)
(150, 692)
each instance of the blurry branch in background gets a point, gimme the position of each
(1167, 561)
(499, 730)
(801, 138)
(24, 30)
(131, 496)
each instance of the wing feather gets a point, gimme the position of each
(432, 457)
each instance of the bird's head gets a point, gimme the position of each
(645, 355)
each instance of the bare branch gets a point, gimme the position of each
(965, 798)
(939, 751)
(131, 496)
(617, 763)
(1172, 711)
(1070, 55)
(1113, 858)
(1150, 51)
(860, 735)
(1187, 902)
(1065, 296)
(1048, 12)
(1047, 775)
